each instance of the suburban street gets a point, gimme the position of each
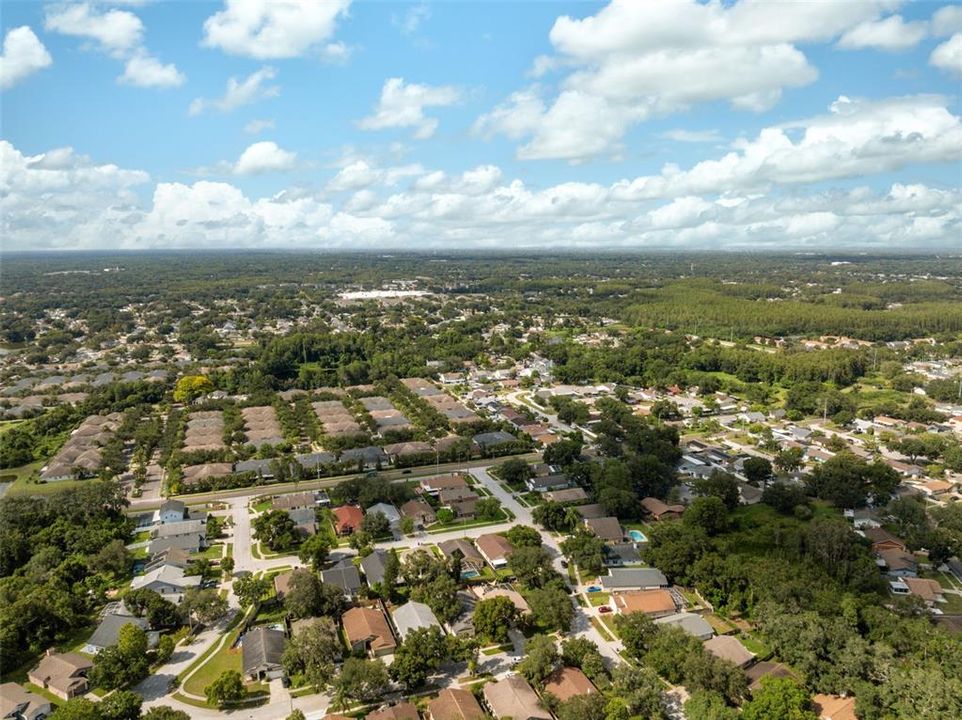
(155, 688)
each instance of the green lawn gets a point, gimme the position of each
(599, 598)
(24, 483)
(215, 663)
(212, 552)
(263, 505)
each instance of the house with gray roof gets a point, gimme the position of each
(345, 576)
(373, 566)
(262, 649)
(413, 616)
(633, 579)
(370, 457)
(694, 625)
(259, 467)
(108, 632)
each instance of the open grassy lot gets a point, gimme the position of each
(25, 483)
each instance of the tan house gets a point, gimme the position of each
(18, 703)
(514, 698)
(568, 682)
(401, 711)
(834, 707)
(659, 510)
(654, 603)
(455, 704)
(729, 648)
(367, 628)
(63, 674)
(495, 549)
(513, 595)
(419, 511)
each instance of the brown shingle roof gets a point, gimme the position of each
(369, 626)
(652, 602)
(567, 682)
(514, 698)
(401, 711)
(455, 704)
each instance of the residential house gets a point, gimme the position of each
(401, 711)
(185, 543)
(607, 528)
(294, 501)
(882, 539)
(464, 624)
(469, 554)
(282, 583)
(413, 616)
(181, 527)
(419, 511)
(108, 631)
(622, 553)
(514, 698)
(367, 629)
(653, 603)
(659, 510)
(568, 682)
(262, 468)
(594, 510)
(167, 580)
(929, 591)
(567, 496)
(544, 483)
(694, 625)
(345, 576)
(730, 648)
(171, 511)
(759, 671)
(368, 458)
(454, 703)
(513, 595)
(262, 650)
(898, 563)
(633, 579)
(495, 549)
(373, 566)
(305, 521)
(17, 703)
(834, 707)
(492, 441)
(63, 674)
(315, 462)
(388, 511)
(347, 519)
(171, 556)
(434, 485)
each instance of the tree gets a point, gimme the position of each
(206, 605)
(215, 527)
(313, 652)
(638, 692)
(227, 688)
(164, 712)
(165, 648)
(523, 536)
(359, 680)
(314, 550)
(227, 566)
(758, 470)
(307, 596)
(78, 708)
(665, 410)
(494, 617)
(848, 481)
(709, 705)
(719, 484)
(674, 548)
(784, 497)
(441, 595)
(515, 471)
(191, 387)
(562, 452)
(586, 550)
(121, 705)
(488, 508)
(532, 566)
(445, 516)
(553, 516)
(789, 459)
(551, 607)
(276, 529)
(297, 715)
(781, 698)
(249, 589)
(583, 707)
(132, 641)
(376, 524)
(576, 651)
(540, 659)
(407, 525)
(112, 559)
(419, 655)
(708, 513)
(636, 631)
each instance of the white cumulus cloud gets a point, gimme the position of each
(143, 70)
(263, 157)
(948, 55)
(23, 55)
(240, 92)
(402, 106)
(891, 34)
(269, 29)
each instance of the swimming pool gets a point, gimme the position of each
(468, 574)
(637, 536)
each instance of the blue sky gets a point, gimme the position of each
(536, 124)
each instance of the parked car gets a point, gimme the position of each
(604, 609)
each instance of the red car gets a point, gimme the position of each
(604, 609)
